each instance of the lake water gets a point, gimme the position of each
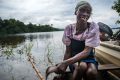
(46, 48)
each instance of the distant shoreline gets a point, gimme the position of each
(12, 26)
(116, 28)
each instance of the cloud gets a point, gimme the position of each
(57, 12)
(102, 12)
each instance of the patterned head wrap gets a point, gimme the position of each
(81, 4)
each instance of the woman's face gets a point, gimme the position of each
(83, 13)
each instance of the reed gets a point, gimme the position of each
(7, 51)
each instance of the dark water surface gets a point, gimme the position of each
(46, 48)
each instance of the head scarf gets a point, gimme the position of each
(81, 4)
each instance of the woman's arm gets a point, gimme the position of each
(67, 53)
(78, 56)
(63, 65)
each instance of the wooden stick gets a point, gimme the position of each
(34, 67)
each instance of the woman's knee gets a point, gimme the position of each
(82, 66)
(91, 71)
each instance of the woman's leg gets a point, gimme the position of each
(91, 73)
(79, 71)
(75, 72)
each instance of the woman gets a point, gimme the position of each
(80, 38)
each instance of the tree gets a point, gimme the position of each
(116, 7)
(13, 26)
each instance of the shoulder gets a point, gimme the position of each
(92, 39)
(67, 34)
(70, 26)
(94, 27)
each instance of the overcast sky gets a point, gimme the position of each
(57, 12)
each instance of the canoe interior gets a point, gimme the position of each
(109, 53)
(102, 75)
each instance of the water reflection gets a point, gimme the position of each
(9, 43)
(15, 40)
(13, 59)
(32, 37)
(11, 40)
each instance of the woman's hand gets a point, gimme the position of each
(61, 67)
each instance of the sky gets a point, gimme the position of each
(60, 13)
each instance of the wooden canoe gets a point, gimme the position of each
(101, 76)
(108, 56)
(108, 53)
(103, 73)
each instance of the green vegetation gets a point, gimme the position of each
(116, 7)
(13, 26)
(9, 50)
(116, 35)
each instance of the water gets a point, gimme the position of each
(46, 48)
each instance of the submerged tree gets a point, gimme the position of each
(116, 7)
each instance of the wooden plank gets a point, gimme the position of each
(113, 76)
(108, 67)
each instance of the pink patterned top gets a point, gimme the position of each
(90, 35)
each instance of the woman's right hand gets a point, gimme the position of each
(61, 67)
